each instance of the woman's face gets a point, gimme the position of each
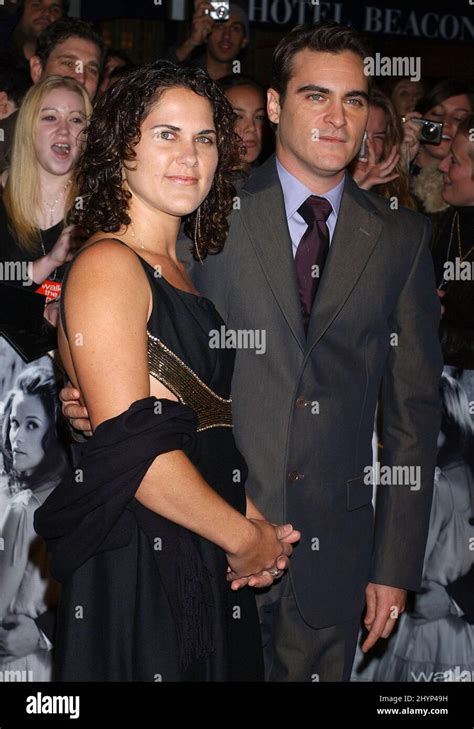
(176, 155)
(28, 426)
(458, 173)
(450, 112)
(249, 106)
(406, 95)
(58, 138)
(377, 130)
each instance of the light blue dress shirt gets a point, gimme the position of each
(295, 193)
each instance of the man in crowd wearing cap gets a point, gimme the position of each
(223, 40)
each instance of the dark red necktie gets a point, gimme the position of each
(312, 251)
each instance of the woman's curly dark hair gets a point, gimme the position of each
(114, 132)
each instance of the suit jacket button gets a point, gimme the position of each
(294, 476)
(301, 402)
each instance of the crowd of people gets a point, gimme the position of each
(204, 507)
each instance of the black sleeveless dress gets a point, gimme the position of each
(142, 598)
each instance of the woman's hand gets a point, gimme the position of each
(266, 577)
(265, 547)
(411, 137)
(370, 173)
(62, 250)
(72, 409)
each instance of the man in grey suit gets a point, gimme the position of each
(304, 409)
(338, 289)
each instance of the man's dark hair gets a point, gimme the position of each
(327, 37)
(65, 4)
(60, 31)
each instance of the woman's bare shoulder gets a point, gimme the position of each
(103, 264)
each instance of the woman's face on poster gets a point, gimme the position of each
(28, 426)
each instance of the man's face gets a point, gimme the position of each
(324, 114)
(458, 173)
(227, 39)
(38, 14)
(75, 57)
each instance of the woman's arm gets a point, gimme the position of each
(58, 255)
(252, 511)
(107, 304)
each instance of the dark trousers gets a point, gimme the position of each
(293, 650)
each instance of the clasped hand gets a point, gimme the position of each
(264, 557)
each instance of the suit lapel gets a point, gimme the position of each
(266, 225)
(357, 231)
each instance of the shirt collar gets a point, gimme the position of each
(295, 192)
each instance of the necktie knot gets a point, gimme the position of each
(315, 208)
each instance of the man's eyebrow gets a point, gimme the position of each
(324, 90)
(73, 57)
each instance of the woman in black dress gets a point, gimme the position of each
(144, 531)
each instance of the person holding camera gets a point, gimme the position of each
(447, 103)
(223, 39)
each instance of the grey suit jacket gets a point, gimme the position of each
(304, 410)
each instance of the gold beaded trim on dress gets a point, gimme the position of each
(165, 366)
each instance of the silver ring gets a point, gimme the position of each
(275, 572)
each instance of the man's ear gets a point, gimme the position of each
(273, 105)
(245, 43)
(36, 69)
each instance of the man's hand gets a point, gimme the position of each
(201, 29)
(21, 638)
(384, 605)
(73, 410)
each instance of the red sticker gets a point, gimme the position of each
(50, 289)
